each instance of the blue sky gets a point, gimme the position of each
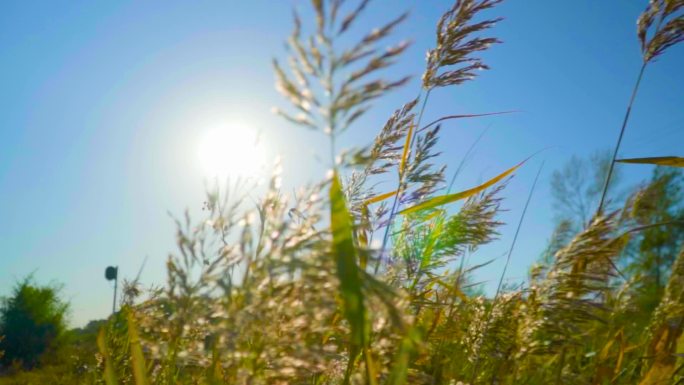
(103, 104)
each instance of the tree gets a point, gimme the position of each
(656, 247)
(576, 188)
(33, 323)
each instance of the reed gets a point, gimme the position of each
(295, 291)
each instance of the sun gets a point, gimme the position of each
(230, 151)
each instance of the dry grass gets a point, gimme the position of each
(294, 292)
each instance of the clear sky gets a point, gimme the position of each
(103, 105)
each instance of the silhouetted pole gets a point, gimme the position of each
(112, 273)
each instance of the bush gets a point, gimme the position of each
(33, 323)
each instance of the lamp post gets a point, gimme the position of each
(112, 273)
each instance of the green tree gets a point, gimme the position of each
(655, 248)
(576, 189)
(33, 323)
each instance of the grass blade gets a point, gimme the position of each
(348, 273)
(137, 357)
(449, 198)
(449, 117)
(379, 198)
(407, 146)
(399, 373)
(673, 161)
(109, 375)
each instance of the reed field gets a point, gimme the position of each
(340, 282)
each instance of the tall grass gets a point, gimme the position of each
(296, 291)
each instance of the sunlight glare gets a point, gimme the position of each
(230, 151)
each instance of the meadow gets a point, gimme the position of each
(340, 282)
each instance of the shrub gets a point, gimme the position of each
(33, 322)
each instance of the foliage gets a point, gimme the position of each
(32, 322)
(665, 331)
(657, 245)
(577, 187)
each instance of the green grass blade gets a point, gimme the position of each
(399, 373)
(137, 357)
(428, 250)
(109, 375)
(215, 372)
(349, 275)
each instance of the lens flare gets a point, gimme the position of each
(230, 151)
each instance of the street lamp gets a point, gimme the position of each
(112, 273)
